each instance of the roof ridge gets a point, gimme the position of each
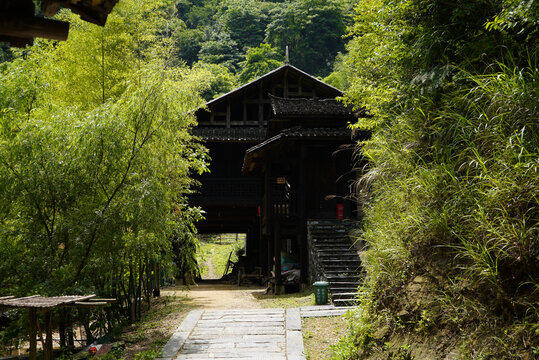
(271, 73)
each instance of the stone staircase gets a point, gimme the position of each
(334, 258)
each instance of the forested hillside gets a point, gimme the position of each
(452, 191)
(227, 32)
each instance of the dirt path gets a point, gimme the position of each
(211, 268)
(218, 296)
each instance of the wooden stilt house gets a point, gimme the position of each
(279, 158)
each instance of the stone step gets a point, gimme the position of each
(336, 258)
(349, 258)
(332, 252)
(345, 295)
(328, 235)
(340, 290)
(336, 274)
(345, 302)
(335, 269)
(333, 233)
(340, 261)
(333, 243)
(327, 238)
(332, 278)
(342, 273)
(334, 247)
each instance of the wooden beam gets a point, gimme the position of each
(106, 300)
(33, 333)
(30, 27)
(47, 352)
(257, 101)
(90, 303)
(16, 41)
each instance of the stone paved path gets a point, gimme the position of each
(272, 334)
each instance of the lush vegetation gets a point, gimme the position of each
(215, 252)
(95, 164)
(233, 32)
(96, 158)
(452, 193)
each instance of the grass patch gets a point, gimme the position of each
(215, 251)
(320, 334)
(303, 298)
(146, 337)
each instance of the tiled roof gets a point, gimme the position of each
(299, 132)
(285, 67)
(292, 107)
(296, 133)
(309, 107)
(38, 301)
(230, 134)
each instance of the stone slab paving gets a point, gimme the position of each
(237, 334)
(265, 334)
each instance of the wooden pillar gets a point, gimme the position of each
(277, 255)
(47, 352)
(285, 84)
(228, 113)
(261, 105)
(33, 333)
(302, 212)
(244, 113)
(267, 214)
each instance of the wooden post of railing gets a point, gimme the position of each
(277, 243)
(33, 333)
(47, 352)
(302, 212)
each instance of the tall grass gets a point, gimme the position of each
(454, 185)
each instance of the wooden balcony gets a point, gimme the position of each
(228, 192)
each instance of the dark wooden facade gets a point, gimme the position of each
(277, 153)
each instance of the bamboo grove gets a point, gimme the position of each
(95, 164)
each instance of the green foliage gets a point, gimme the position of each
(95, 153)
(339, 77)
(245, 21)
(312, 29)
(148, 354)
(452, 188)
(222, 50)
(214, 79)
(187, 44)
(259, 61)
(223, 32)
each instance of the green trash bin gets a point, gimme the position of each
(321, 292)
